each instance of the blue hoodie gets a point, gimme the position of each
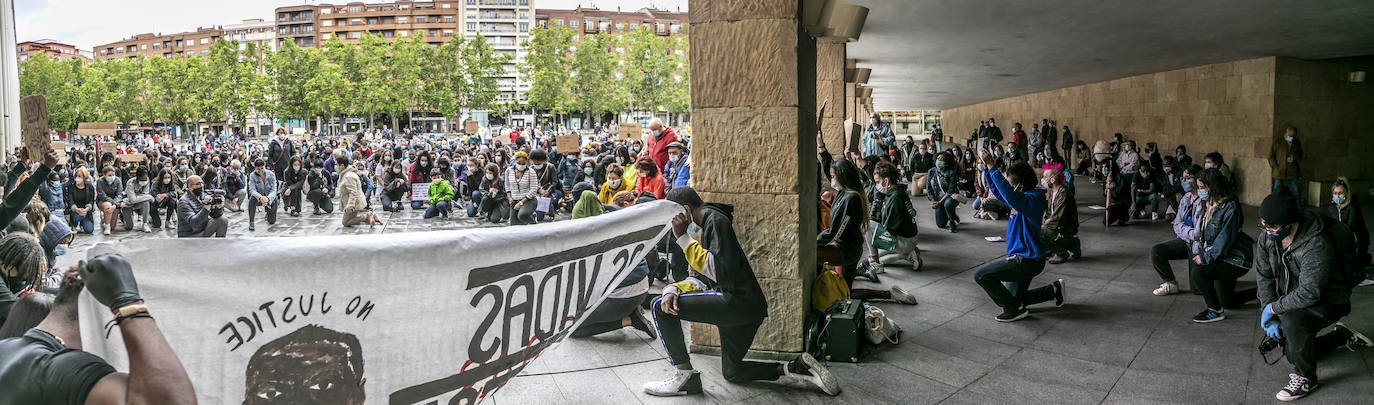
(1028, 209)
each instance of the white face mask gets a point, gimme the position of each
(80, 181)
(166, 181)
(835, 184)
(615, 183)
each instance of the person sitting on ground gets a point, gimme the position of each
(198, 215)
(1171, 180)
(897, 216)
(621, 307)
(1220, 219)
(678, 173)
(1215, 160)
(395, 185)
(1025, 251)
(1060, 228)
(317, 189)
(1345, 207)
(351, 196)
(138, 199)
(81, 199)
(614, 184)
(1117, 192)
(1147, 192)
(235, 185)
(842, 243)
(110, 199)
(440, 195)
(489, 200)
(1303, 288)
(522, 187)
(547, 178)
(623, 199)
(941, 186)
(648, 178)
(293, 179)
(737, 306)
(47, 366)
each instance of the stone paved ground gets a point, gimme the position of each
(1113, 342)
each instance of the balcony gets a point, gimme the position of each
(502, 3)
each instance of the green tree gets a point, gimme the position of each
(546, 67)
(482, 69)
(290, 69)
(233, 89)
(595, 90)
(58, 82)
(677, 98)
(649, 68)
(348, 59)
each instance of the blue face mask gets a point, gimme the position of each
(693, 228)
(1278, 236)
(940, 164)
(1206, 165)
(59, 250)
(1338, 199)
(1187, 186)
(587, 171)
(1202, 194)
(1144, 175)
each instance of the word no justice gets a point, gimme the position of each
(543, 303)
(289, 310)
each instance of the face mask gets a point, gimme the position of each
(643, 174)
(835, 184)
(112, 179)
(1105, 171)
(1338, 199)
(587, 171)
(520, 167)
(1144, 175)
(297, 167)
(1187, 186)
(940, 164)
(424, 164)
(636, 149)
(1206, 165)
(54, 183)
(657, 132)
(143, 183)
(1278, 236)
(674, 158)
(619, 160)
(538, 166)
(693, 228)
(1203, 194)
(59, 250)
(872, 121)
(615, 183)
(166, 181)
(1289, 139)
(491, 176)
(879, 188)
(80, 181)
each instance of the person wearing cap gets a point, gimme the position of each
(1301, 290)
(679, 170)
(440, 195)
(262, 191)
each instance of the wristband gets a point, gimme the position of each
(130, 309)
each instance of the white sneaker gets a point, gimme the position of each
(1166, 289)
(915, 258)
(1366, 283)
(816, 374)
(875, 268)
(107, 231)
(683, 382)
(1154, 216)
(146, 229)
(901, 296)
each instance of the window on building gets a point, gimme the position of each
(448, 18)
(619, 26)
(355, 9)
(355, 34)
(445, 5)
(355, 21)
(405, 34)
(388, 34)
(204, 41)
(307, 15)
(524, 27)
(419, 19)
(157, 45)
(388, 20)
(327, 23)
(472, 27)
(326, 36)
(402, 20)
(634, 26)
(372, 21)
(524, 15)
(204, 52)
(309, 28)
(326, 10)
(448, 33)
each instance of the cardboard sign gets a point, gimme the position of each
(97, 128)
(568, 143)
(61, 148)
(630, 130)
(33, 113)
(107, 147)
(419, 192)
(133, 158)
(470, 127)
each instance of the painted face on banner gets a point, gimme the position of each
(312, 365)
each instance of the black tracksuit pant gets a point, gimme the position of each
(1301, 344)
(737, 329)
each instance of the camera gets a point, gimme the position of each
(1268, 344)
(217, 196)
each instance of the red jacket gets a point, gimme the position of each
(658, 148)
(650, 184)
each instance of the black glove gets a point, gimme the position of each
(110, 280)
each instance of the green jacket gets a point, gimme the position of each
(440, 191)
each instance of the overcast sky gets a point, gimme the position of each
(87, 23)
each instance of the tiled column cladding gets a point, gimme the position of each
(753, 98)
(830, 85)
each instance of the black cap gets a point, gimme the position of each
(1280, 209)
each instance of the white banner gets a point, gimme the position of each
(404, 318)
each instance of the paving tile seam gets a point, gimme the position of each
(1139, 350)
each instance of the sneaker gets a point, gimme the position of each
(953, 227)
(1355, 339)
(1154, 216)
(876, 268)
(1013, 316)
(641, 322)
(901, 296)
(1366, 283)
(1209, 316)
(1056, 259)
(808, 368)
(107, 231)
(683, 382)
(1167, 288)
(915, 258)
(1059, 293)
(146, 229)
(1298, 387)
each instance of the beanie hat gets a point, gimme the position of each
(1279, 209)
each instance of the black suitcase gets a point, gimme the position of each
(844, 327)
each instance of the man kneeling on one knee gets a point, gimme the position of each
(1303, 289)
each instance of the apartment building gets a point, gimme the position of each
(179, 45)
(590, 20)
(54, 49)
(259, 32)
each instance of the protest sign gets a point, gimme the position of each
(108, 147)
(424, 317)
(133, 158)
(470, 127)
(568, 143)
(61, 148)
(33, 113)
(419, 192)
(630, 130)
(97, 129)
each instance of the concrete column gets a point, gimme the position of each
(830, 85)
(753, 99)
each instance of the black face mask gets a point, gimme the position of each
(15, 284)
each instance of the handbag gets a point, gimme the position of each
(883, 240)
(878, 328)
(1241, 253)
(828, 288)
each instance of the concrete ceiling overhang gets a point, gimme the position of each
(940, 54)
